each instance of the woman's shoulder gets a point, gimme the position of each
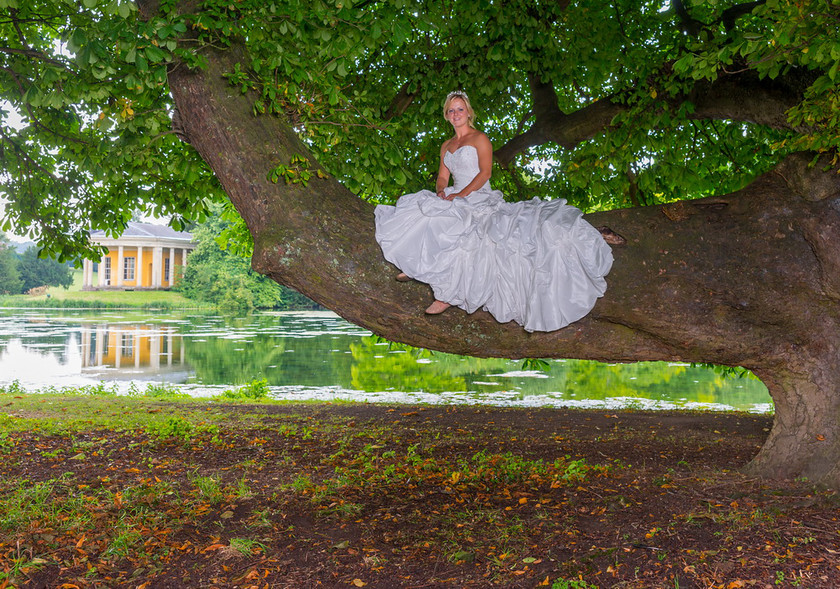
(448, 143)
(479, 140)
(476, 139)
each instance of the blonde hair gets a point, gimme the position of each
(463, 96)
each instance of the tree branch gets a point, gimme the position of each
(22, 153)
(39, 55)
(733, 13)
(739, 97)
(400, 103)
(552, 124)
(688, 24)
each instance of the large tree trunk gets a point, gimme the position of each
(749, 279)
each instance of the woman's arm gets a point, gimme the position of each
(443, 172)
(485, 165)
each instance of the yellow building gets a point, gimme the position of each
(145, 256)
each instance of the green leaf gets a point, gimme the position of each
(832, 73)
(155, 54)
(78, 39)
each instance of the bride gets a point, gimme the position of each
(536, 262)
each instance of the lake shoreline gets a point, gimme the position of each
(317, 355)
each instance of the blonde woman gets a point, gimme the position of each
(536, 262)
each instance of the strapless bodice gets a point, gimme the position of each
(463, 164)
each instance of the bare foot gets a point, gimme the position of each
(437, 308)
(403, 277)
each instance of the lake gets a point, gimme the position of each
(319, 356)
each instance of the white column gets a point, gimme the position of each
(138, 268)
(154, 354)
(184, 258)
(85, 345)
(86, 281)
(101, 272)
(100, 337)
(120, 269)
(157, 258)
(171, 278)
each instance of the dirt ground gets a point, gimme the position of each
(408, 497)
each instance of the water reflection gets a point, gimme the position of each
(147, 350)
(320, 356)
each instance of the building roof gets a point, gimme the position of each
(135, 229)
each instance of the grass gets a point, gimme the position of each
(75, 297)
(209, 489)
(216, 494)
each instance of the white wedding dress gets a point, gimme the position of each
(536, 262)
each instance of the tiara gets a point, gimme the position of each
(455, 93)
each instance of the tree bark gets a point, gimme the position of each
(749, 279)
(735, 97)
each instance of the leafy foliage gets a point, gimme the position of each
(363, 83)
(10, 282)
(216, 275)
(36, 271)
(94, 140)
(255, 390)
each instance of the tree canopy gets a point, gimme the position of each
(10, 282)
(608, 104)
(35, 271)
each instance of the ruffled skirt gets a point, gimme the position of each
(536, 262)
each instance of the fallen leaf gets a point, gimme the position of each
(359, 583)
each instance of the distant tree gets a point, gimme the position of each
(10, 281)
(222, 275)
(35, 271)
